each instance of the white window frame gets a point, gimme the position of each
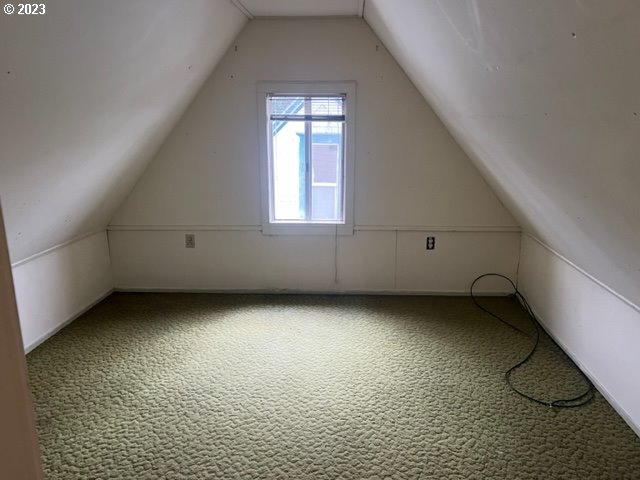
(264, 89)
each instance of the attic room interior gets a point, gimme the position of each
(355, 239)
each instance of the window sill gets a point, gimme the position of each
(307, 229)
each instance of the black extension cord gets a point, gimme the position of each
(572, 402)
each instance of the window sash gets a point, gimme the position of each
(309, 119)
(347, 91)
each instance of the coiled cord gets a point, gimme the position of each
(572, 402)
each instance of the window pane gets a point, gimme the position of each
(325, 162)
(288, 170)
(327, 106)
(326, 171)
(306, 108)
(306, 158)
(287, 105)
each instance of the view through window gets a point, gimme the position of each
(306, 158)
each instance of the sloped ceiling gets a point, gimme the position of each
(88, 91)
(544, 96)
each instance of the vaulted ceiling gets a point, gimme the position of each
(541, 94)
(88, 91)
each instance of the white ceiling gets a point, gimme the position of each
(300, 8)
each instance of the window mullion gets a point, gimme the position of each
(307, 157)
(270, 166)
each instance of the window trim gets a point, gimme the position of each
(307, 89)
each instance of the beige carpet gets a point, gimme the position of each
(177, 386)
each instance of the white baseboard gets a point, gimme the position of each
(444, 293)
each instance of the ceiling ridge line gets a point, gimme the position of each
(245, 11)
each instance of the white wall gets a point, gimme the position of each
(410, 176)
(368, 261)
(595, 326)
(57, 286)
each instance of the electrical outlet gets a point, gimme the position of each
(190, 240)
(431, 243)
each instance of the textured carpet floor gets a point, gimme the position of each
(176, 386)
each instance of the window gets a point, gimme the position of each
(306, 141)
